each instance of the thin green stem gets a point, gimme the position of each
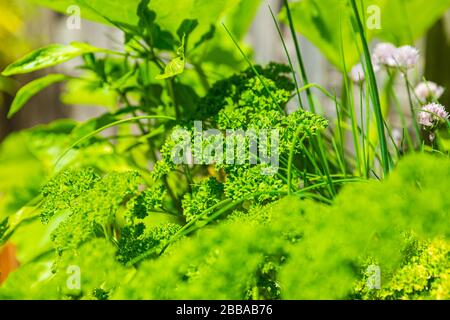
(374, 93)
(291, 157)
(294, 76)
(252, 67)
(363, 136)
(299, 56)
(110, 125)
(341, 136)
(411, 107)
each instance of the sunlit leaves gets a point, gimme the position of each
(186, 28)
(48, 56)
(175, 66)
(169, 13)
(31, 89)
(327, 24)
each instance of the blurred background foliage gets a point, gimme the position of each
(323, 25)
(14, 44)
(399, 22)
(12, 22)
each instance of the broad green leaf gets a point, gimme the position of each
(25, 163)
(219, 56)
(401, 21)
(186, 28)
(187, 97)
(33, 238)
(10, 224)
(320, 21)
(49, 56)
(169, 13)
(32, 88)
(82, 92)
(240, 17)
(174, 67)
(237, 14)
(85, 128)
(404, 21)
(205, 37)
(116, 10)
(146, 16)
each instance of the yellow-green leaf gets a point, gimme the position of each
(48, 56)
(31, 89)
(169, 13)
(176, 66)
(173, 68)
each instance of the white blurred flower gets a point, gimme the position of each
(432, 114)
(397, 136)
(428, 90)
(357, 73)
(406, 57)
(384, 54)
(432, 136)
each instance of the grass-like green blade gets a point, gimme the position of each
(373, 92)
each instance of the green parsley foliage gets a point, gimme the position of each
(258, 255)
(86, 218)
(102, 209)
(61, 192)
(137, 240)
(238, 259)
(424, 274)
(245, 101)
(205, 195)
(149, 200)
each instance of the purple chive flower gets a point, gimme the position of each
(357, 73)
(384, 54)
(431, 114)
(428, 90)
(406, 57)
